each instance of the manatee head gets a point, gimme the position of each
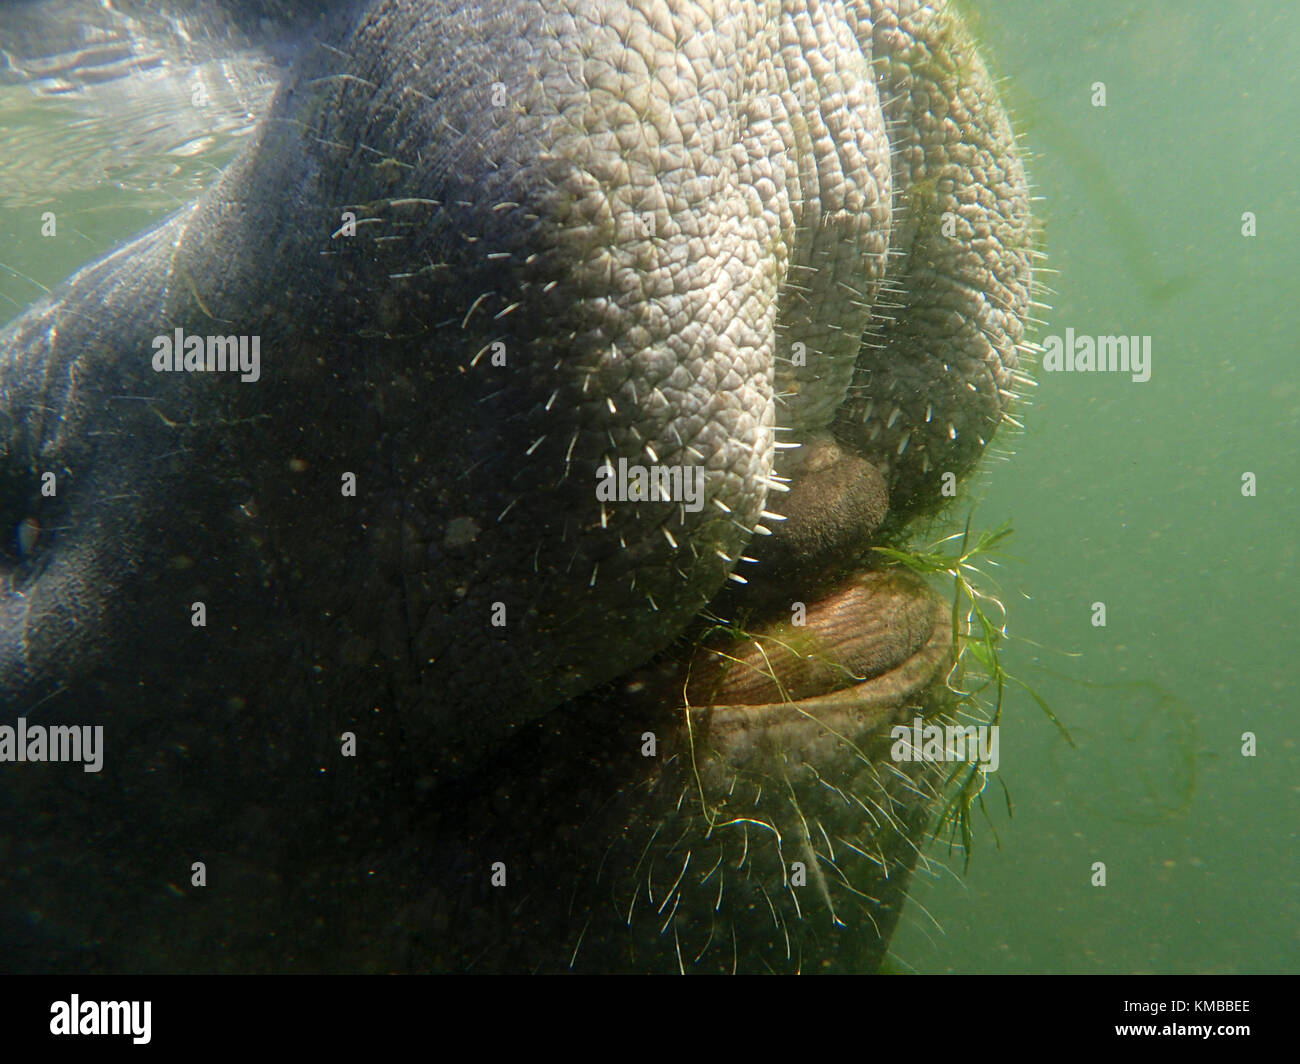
(547, 328)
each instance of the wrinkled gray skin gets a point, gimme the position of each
(696, 229)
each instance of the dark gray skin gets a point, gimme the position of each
(692, 236)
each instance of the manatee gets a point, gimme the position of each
(459, 519)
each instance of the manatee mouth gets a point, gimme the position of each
(803, 701)
(877, 640)
(824, 632)
(773, 802)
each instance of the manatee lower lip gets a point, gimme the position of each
(880, 634)
(775, 792)
(862, 706)
(864, 653)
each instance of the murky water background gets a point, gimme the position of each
(1123, 493)
(1130, 494)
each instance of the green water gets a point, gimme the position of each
(1123, 493)
(1130, 494)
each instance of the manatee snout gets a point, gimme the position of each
(375, 637)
